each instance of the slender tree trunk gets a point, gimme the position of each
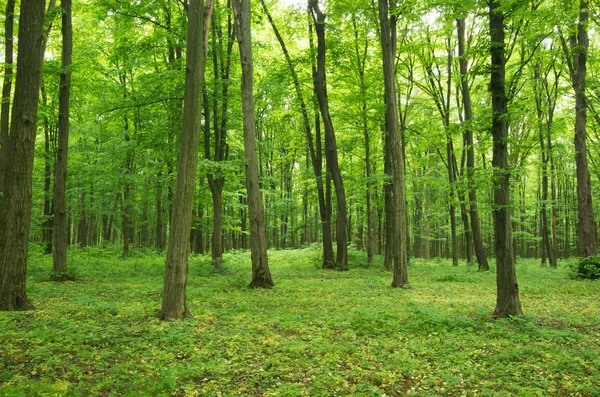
(553, 194)
(59, 264)
(159, 241)
(400, 228)
(15, 201)
(221, 70)
(174, 302)
(466, 98)
(361, 62)
(388, 186)
(427, 248)
(6, 87)
(507, 303)
(47, 224)
(216, 188)
(82, 228)
(197, 231)
(261, 275)
(540, 98)
(330, 139)
(452, 207)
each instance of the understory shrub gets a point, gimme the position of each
(587, 268)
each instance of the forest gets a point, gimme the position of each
(362, 198)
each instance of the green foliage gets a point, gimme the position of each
(587, 268)
(318, 333)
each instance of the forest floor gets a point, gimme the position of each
(317, 333)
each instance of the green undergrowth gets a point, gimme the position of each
(317, 333)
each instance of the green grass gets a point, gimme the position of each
(317, 333)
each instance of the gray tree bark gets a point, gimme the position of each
(174, 302)
(15, 201)
(261, 275)
(59, 263)
(399, 224)
(507, 299)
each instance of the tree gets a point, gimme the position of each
(261, 275)
(15, 202)
(394, 140)
(174, 304)
(507, 299)
(576, 54)
(221, 68)
(468, 134)
(316, 158)
(59, 265)
(331, 154)
(7, 84)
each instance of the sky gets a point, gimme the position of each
(294, 3)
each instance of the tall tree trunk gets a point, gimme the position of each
(400, 278)
(82, 228)
(6, 86)
(15, 201)
(47, 224)
(361, 57)
(174, 301)
(577, 62)
(507, 302)
(216, 181)
(59, 263)
(427, 247)
(452, 206)
(466, 99)
(216, 188)
(540, 98)
(159, 241)
(197, 230)
(127, 221)
(330, 139)
(261, 275)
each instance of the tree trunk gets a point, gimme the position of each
(59, 264)
(6, 87)
(198, 229)
(361, 62)
(47, 224)
(507, 302)
(15, 201)
(579, 44)
(400, 278)
(221, 70)
(540, 98)
(330, 139)
(174, 301)
(159, 241)
(82, 228)
(261, 275)
(216, 188)
(466, 98)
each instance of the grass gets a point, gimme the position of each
(317, 333)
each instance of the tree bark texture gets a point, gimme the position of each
(331, 156)
(315, 155)
(15, 202)
(468, 111)
(261, 275)
(507, 300)
(174, 304)
(6, 86)
(59, 263)
(216, 181)
(586, 227)
(400, 278)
